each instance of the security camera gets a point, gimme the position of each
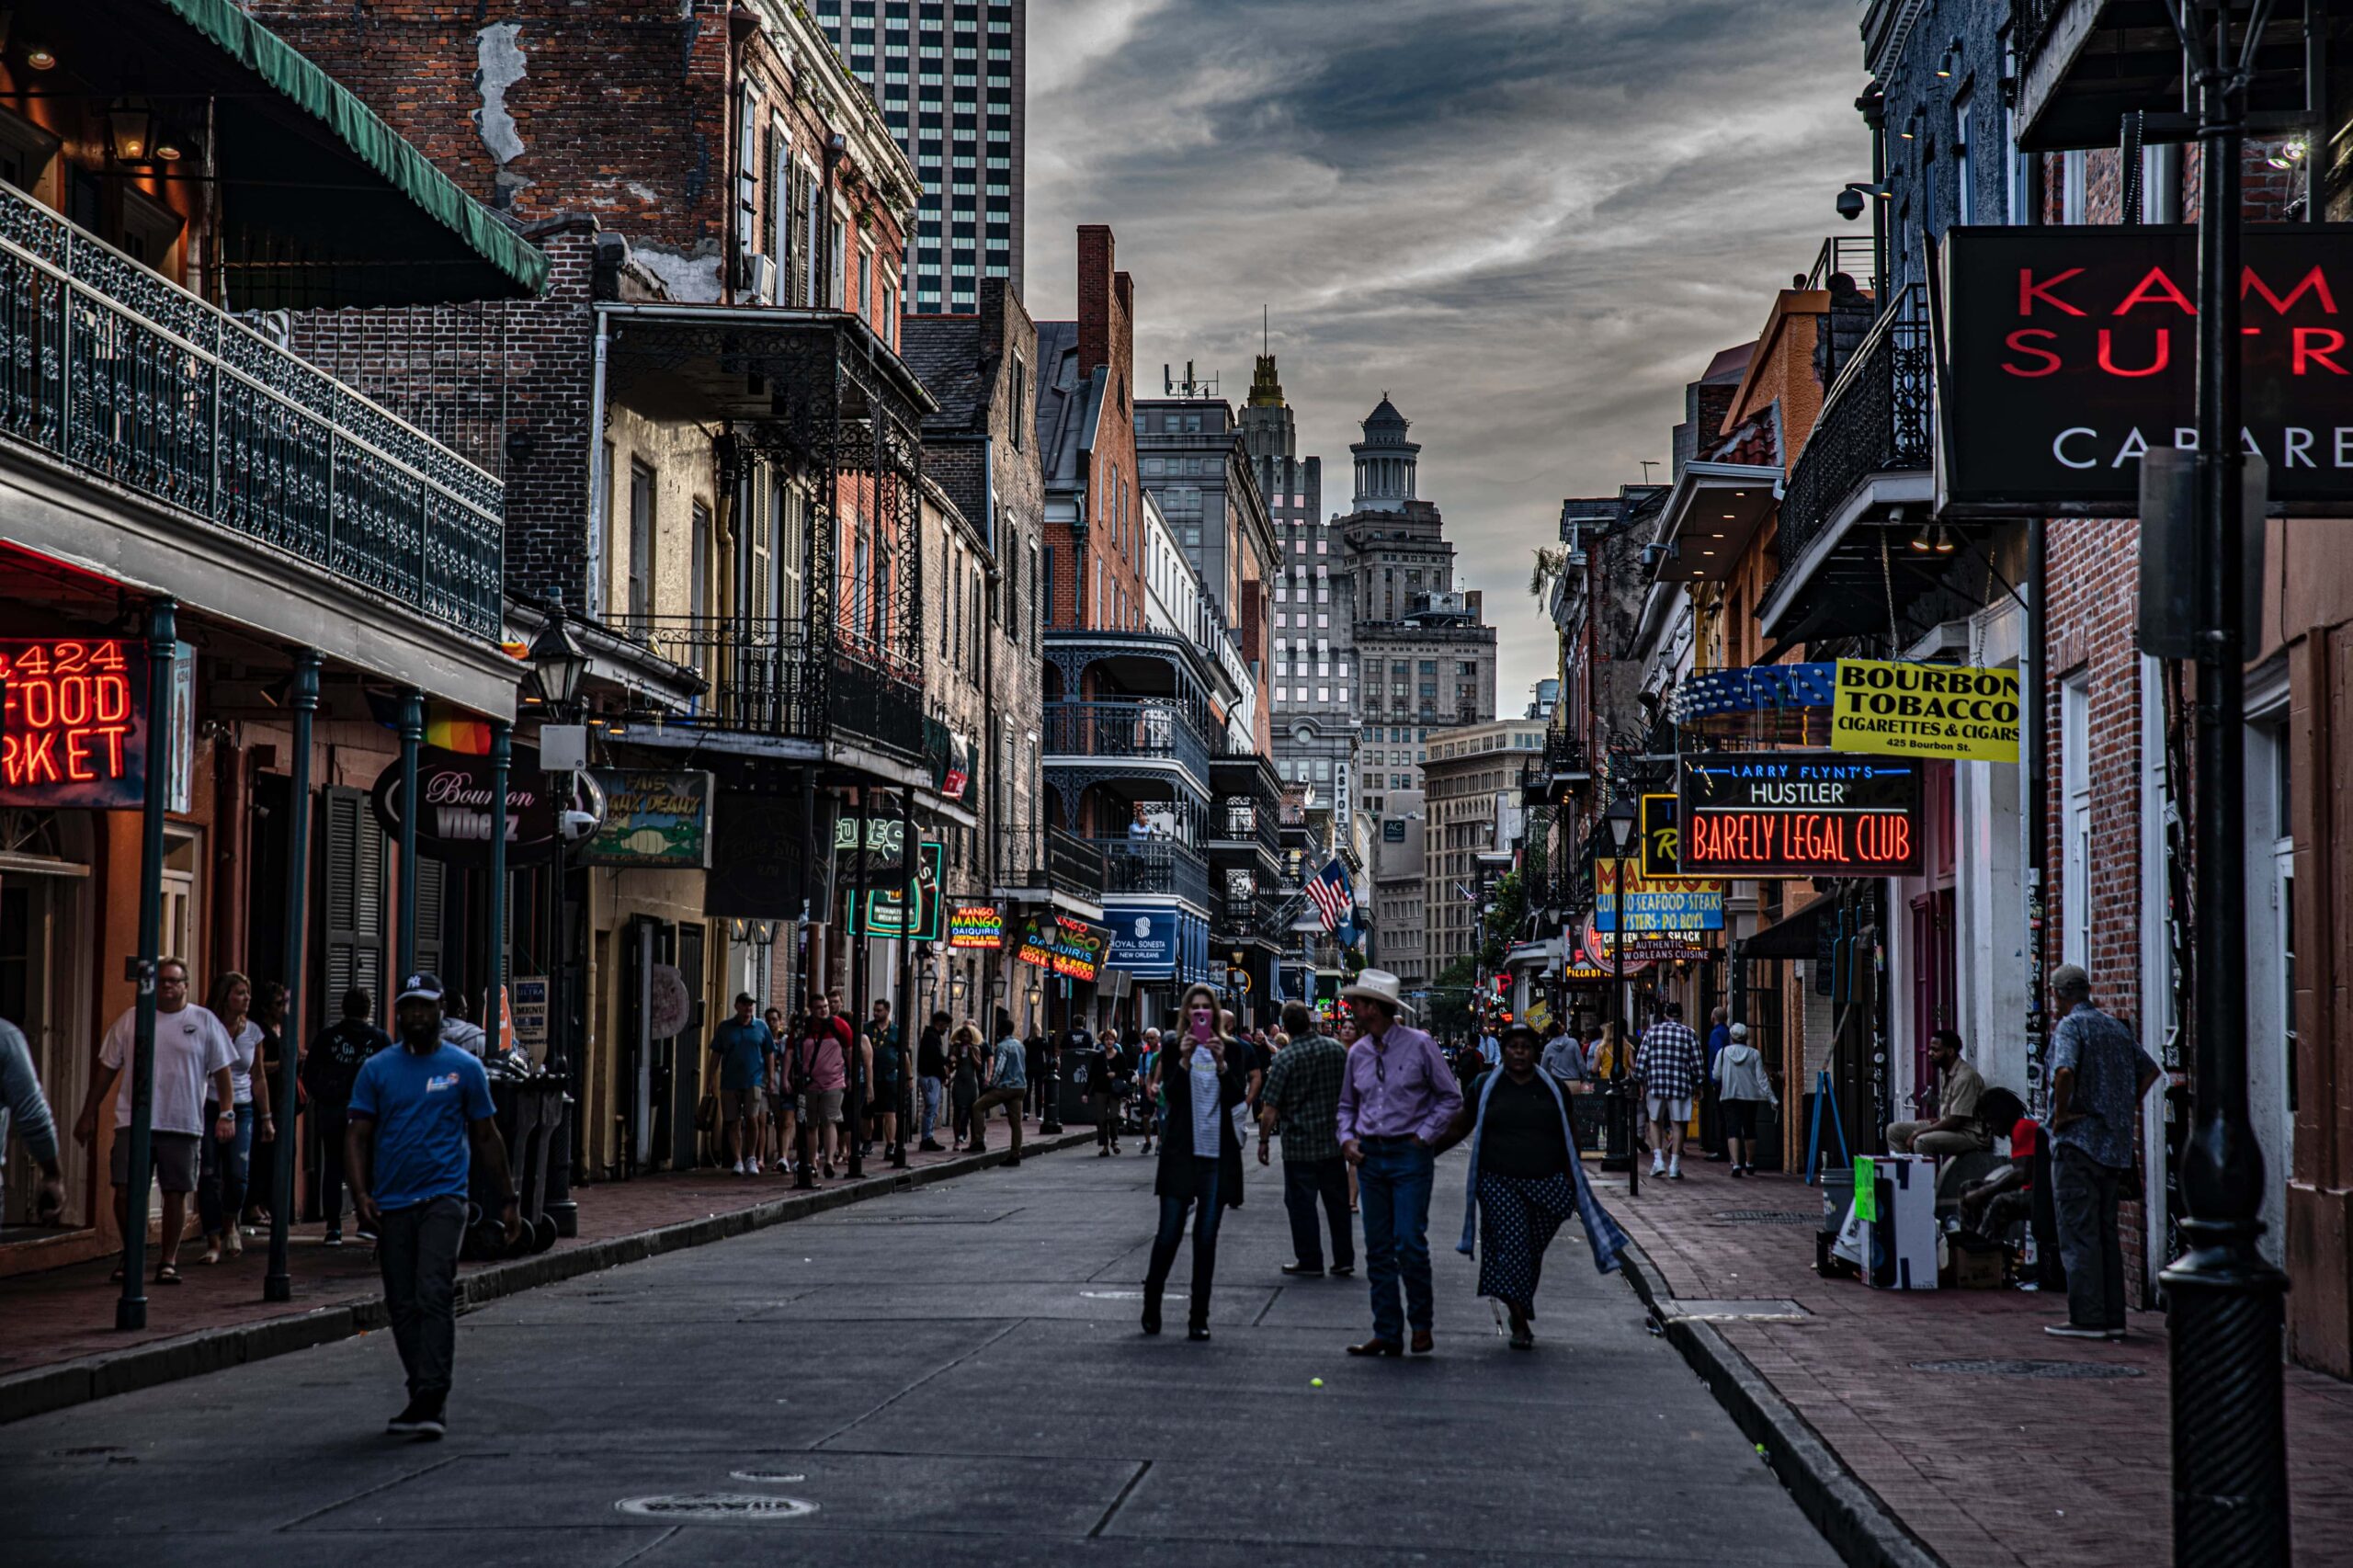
(576, 825)
(1850, 204)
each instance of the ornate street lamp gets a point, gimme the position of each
(1620, 819)
(558, 664)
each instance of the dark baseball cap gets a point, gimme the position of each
(422, 986)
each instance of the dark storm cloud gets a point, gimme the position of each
(1529, 221)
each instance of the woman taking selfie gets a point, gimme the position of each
(1201, 1076)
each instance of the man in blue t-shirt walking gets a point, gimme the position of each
(415, 1113)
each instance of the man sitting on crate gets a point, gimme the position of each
(1957, 1129)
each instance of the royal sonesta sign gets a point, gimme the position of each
(1799, 813)
(2069, 351)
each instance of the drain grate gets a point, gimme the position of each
(1997, 1369)
(725, 1507)
(1811, 1217)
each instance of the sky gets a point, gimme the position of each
(1528, 222)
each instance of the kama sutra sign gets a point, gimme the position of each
(2069, 351)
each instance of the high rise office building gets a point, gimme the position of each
(952, 78)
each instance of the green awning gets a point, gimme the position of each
(373, 142)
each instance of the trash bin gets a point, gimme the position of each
(529, 1113)
(1075, 1093)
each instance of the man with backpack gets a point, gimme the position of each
(329, 1069)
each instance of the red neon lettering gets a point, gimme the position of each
(74, 701)
(38, 756)
(2017, 343)
(2311, 281)
(2107, 360)
(2157, 289)
(112, 735)
(77, 756)
(37, 704)
(2315, 344)
(113, 705)
(2029, 290)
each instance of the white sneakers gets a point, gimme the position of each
(740, 1170)
(1674, 1171)
(1658, 1164)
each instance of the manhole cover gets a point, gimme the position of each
(2028, 1369)
(725, 1507)
(1739, 1310)
(1770, 1217)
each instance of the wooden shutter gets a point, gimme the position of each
(351, 899)
(432, 908)
(804, 250)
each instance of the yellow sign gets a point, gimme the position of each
(1539, 1014)
(1902, 710)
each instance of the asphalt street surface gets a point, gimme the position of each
(948, 1376)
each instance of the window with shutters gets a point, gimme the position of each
(779, 208)
(432, 914)
(352, 898)
(699, 566)
(747, 178)
(806, 254)
(836, 255)
(641, 539)
(789, 547)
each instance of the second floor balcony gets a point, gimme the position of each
(1051, 860)
(760, 681)
(1146, 864)
(119, 375)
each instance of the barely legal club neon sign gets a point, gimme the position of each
(2069, 352)
(73, 730)
(1799, 813)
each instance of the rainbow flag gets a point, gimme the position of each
(447, 726)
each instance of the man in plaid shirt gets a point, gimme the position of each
(1669, 1065)
(1303, 1092)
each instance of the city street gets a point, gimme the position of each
(951, 1375)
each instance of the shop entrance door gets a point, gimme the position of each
(39, 945)
(1934, 987)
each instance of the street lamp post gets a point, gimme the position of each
(2230, 1476)
(1621, 834)
(558, 667)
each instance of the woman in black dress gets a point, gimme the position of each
(1112, 1076)
(1525, 1180)
(1203, 1075)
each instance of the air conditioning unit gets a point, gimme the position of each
(761, 277)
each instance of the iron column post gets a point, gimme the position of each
(2230, 1473)
(910, 922)
(858, 923)
(412, 737)
(277, 1285)
(163, 647)
(501, 760)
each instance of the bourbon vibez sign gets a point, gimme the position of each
(1799, 813)
(2068, 352)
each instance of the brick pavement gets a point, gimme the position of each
(64, 1314)
(1989, 1471)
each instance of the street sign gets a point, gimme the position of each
(1654, 905)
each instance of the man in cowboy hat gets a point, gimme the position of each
(1397, 1098)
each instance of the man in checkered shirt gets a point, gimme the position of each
(1669, 1065)
(1302, 1095)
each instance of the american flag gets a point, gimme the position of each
(1330, 893)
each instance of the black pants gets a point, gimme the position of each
(1172, 1235)
(1107, 1115)
(331, 1121)
(2087, 1194)
(1304, 1182)
(417, 1253)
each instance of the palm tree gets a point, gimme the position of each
(1551, 560)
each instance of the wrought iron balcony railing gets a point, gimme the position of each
(1154, 865)
(1875, 419)
(1237, 821)
(1137, 730)
(761, 681)
(116, 371)
(1040, 857)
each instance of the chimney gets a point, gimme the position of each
(1094, 293)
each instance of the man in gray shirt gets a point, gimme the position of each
(2099, 1075)
(1008, 1085)
(23, 1105)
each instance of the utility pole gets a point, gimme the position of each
(2230, 1474)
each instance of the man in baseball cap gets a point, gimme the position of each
(416, 1114)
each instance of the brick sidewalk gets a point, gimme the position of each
(1990, 1469)
(65, 1315)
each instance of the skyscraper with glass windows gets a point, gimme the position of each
(950, 77)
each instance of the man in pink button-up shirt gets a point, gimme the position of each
(1396, 1098)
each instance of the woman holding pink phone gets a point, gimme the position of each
(1200, 1158)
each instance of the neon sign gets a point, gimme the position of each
(976, 925)
(1072, 948)
(1800, 813)
(73, 723)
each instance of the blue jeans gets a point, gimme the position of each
(931, 1090)
(221, 1184)
(1172, 1234)
(1394, 1186)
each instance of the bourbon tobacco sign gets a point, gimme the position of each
(2068, 352)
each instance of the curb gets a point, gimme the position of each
(1850, 1516)
(79, 1382)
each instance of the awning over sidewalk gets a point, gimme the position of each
(1793, 937)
